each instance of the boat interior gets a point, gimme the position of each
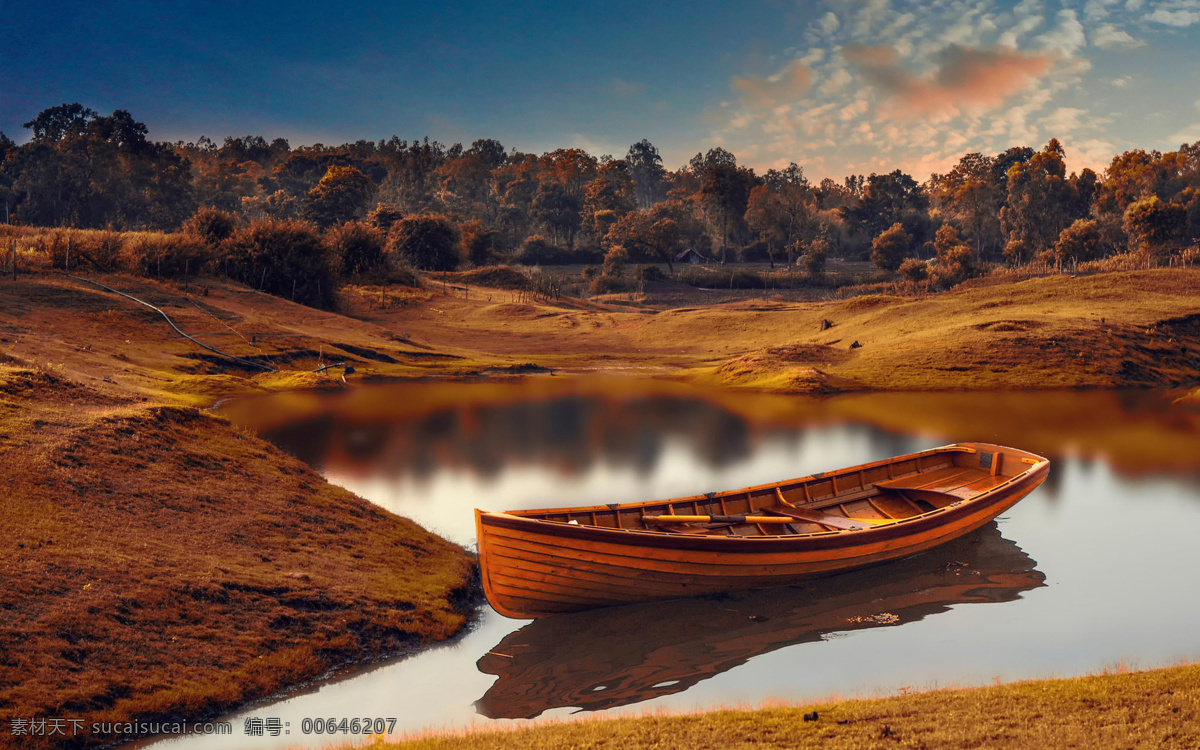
(859, 497)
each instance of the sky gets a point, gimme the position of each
(839, 87)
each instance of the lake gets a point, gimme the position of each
(1092, 571)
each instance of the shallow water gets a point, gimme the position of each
(1091, 571)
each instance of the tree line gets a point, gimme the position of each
(85, 170)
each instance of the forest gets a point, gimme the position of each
(283, 218)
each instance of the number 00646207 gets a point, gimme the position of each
(365, 725)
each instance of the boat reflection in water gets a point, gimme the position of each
(617, 656)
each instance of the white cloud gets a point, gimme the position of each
(829, 23)
(1134, 5)
(1027, 24)
(836, 81)
(1107, 36)
(872, 13)
(1121, 82)
(1063, 119)
(1067, 37)
(1095, 10)
(1179, 18)
(1190, 134)
(854, 109)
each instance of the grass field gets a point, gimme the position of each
(1148, 710)
(157, 561)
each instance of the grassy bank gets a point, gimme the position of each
(1157, 709)
(158, 562)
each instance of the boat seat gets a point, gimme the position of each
(942, 487)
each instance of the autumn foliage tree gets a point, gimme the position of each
(428, 242)
(891, 247)
(284, 258)
(340, 196)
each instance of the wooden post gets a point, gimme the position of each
(13, 244)
(67, 262)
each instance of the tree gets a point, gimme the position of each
(650, 234)
(645, 167)
(428, 242)
(479, 243)
(765, 215)
(1156, 228)
(1078, 242)
(356, 247)
(340, 196)
(285, 258)
(885, 199)
(891, 247)
(724, 194)
(1039, 200)
(814, 258)
(557, 208)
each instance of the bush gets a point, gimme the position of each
(212, 225)
(171, 255)
(611, 285)
(384, 216)
(889, 249)
(815, 257)
(428, 242)
(914, 270)
(479, 243)
(284, 258)
(649, 273)
(357, 248)
(1079, 242)
(536, 250)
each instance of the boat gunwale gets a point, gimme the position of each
(898, 528)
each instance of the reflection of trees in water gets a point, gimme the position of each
(569, 433)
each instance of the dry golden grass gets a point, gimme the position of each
(1136, 328)
(154, 560)
(159, 562)
(1151, 710)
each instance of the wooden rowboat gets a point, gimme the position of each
(617, 656)
(539, 562)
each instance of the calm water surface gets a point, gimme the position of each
(1092, 571)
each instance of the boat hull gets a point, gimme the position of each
(532, 567)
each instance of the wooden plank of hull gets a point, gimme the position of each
(533, 568)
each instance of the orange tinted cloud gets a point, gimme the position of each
(962, 78)
(784, 87)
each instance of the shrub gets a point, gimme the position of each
(611, 285)
(615, 260)
(172, 255)
(384, 216)
(284, 258)
(479, 243)
(815, 257)
(536, 250)
(428, 242)
(1156, 228)
(890, 247)
(212, 225)
(914, 270)
(650, 273)
(1079, 242)
(1016, 252)
(357, 248)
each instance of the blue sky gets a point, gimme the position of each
(840, 87)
